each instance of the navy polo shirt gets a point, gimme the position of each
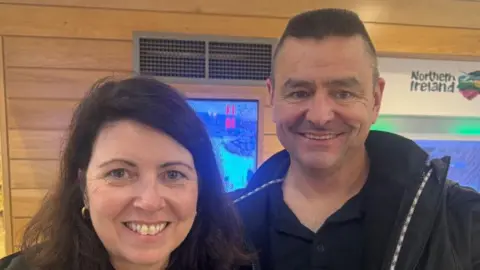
(337, 245)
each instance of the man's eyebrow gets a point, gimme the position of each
(296, 83)
(348, 82)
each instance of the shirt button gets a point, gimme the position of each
(320, 248)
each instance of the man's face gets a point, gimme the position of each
(324, 99)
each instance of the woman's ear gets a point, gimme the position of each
(82, 182)
(81, 179)
(85, 200)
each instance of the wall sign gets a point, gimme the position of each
(430, 87)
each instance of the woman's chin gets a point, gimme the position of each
(153, 258)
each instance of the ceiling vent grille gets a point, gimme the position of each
(172, 58)
(181, 58)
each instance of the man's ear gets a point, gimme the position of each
(377, 97)
(271, 92)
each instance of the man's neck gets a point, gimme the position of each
(313, 196)
(345, 180)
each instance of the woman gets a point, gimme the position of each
(139, 189)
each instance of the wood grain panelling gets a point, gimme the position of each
(19, 225)
(31, 174)
(26, 202)
(68, 53)
(119, 25)
(40, 114)
(268, 124)
(35, 144)
(33, 83)
(148, 5)
(50, 83)
(271, 145)
(5, 157)
(450, 13)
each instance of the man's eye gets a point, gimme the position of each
(299, 94)
(343, 95)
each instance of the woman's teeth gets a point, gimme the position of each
(144, 229)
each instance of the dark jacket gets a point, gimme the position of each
(441, 220)
(16, 261)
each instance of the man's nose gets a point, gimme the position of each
(320, 109)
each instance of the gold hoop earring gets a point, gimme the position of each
(84, 212)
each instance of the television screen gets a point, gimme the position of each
(233, 129)
(465, 163)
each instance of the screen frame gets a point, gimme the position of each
(232, 93)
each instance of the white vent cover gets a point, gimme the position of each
(212, 58)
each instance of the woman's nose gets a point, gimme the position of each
(151, 195)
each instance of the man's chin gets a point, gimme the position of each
(318, 161)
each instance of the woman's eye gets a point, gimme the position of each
(118, 174)
(174, 175)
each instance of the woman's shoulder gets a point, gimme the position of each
(15, 261)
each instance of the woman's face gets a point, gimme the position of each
(141, 194)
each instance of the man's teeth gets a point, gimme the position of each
(145, 229)
(320, 137)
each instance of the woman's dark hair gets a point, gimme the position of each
(58, 237)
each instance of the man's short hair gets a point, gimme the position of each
(323, 23)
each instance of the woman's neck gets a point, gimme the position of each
(122, 264)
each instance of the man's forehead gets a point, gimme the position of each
(325, 48)
(332, 55)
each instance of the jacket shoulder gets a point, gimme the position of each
(463, 206)
(15, 261)
(462, 198)
(233, 195)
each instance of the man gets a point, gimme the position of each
(340, 196)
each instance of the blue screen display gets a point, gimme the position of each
(233, 129)
(465, 163)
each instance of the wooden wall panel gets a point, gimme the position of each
(5, 157)
(148, 5)
(68, 53)
(19, 225)
(54, 84)
(271, 145)
(446, 13)
(35, 144)
(268, 124)
(33, 174)
(51, 83)
(40, 114)
(26, 202)
(119, 24)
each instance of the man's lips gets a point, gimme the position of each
(320, 136)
